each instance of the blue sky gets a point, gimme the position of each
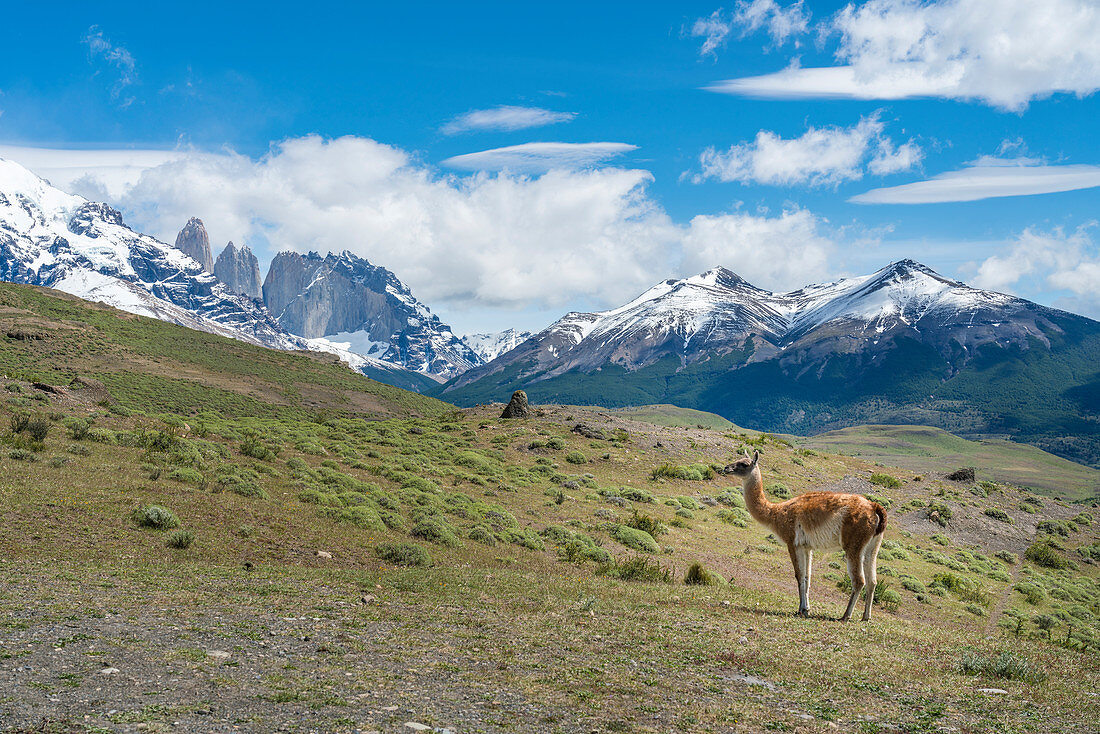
(230, 114)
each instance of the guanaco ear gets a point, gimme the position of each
(745, 452)
(755, 457)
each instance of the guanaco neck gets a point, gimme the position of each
(756, 501)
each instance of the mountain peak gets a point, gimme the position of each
(194, 241)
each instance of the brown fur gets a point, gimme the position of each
(818, 521)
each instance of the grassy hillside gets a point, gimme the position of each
(283, 563)
(150, 366)
(671, 415)
(916, 447)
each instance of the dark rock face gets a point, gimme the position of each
(342, 294)
(517, 407)
(583, 429)
(240, 270)
(194, 241)
(966, 474)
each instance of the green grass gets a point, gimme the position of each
(918, 447)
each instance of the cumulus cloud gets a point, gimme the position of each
(1004, 53)
(505, 118)
(538, 157)
(822, 156)
(781, 23)
(779, 253)
(988, 178)
(1067, 262)
(461, 242)
(116, 56)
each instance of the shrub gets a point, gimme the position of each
(781, 490)
(691, 473)
(18, 421)
(1043, 553)
(735, 516)
(1053, 527)
(885, 480)
(639, 568)
(912, 585)
(180, 539)
(576, 457)
(403, 554)
(998, 514)
(482, 535)
(156, 517)
(634, 539)
(38, 427)
(254, 447)
(434, 529)
(185, 474)
(360, 516)
(22, 455)
(78, 449)
(939, 513)
(1007, 556)
(638, 495)
(1004, 665)
(555, 443)
(648, 524)
(77, 427)
(698, 575)
(243, 486)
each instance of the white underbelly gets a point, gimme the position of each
(825, 536)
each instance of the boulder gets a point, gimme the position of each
(965, 474)
(517, 407)
(588, 432)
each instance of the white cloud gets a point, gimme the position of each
(507, 118)
(822, 156)
(94, 174)
(1057, 260)
(118, 57)
(988, 178)
(776, 253)
(498, 240)
(1004, 53)
(780, 23)
(538, 157)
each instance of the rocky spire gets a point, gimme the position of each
(239, 269)
(194, 241)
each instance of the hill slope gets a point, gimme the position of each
(153, 366)
(461, 571)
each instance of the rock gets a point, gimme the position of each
(217, 654)
(517, 407)
(416, 726)
(965, 474)
(240, 270)
(993, 691)
(324, 554)
(52, 389)
(368, 599)
(315, 296)
(588, 432)
(709, 501)
(108, 671)
(743, 641)
(193, 240)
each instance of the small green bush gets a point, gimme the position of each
(434, 529)
(691, 473)
(634, 539)
(1004, 665)
(156, 517)
(698, 575)
(180, 539)
(939, 513)
(1007, 556)
(735, 516)
(885, 480)
(998, 514)
(22, 455)
(482, 535)
(648, 524)
(186, 474)
(1043, 554)
(403, 554)
(639, 568)
(576, 457)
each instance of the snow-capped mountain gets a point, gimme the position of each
(367, 309)
(718, 312)
(55, 239)
(492, 345)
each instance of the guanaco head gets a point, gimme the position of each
(743, 466)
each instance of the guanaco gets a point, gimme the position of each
(819, 521)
